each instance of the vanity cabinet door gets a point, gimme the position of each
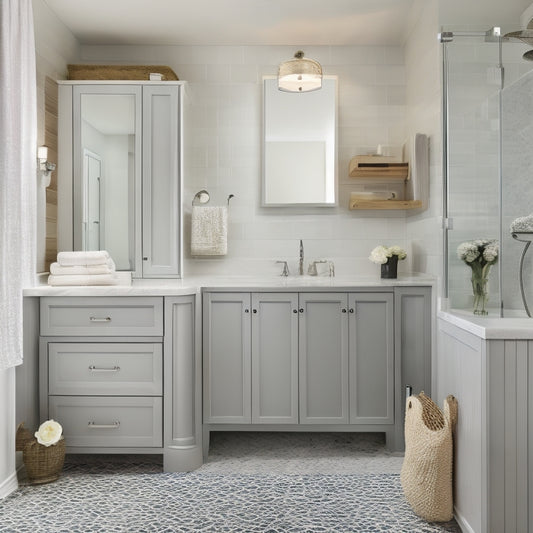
(371, 326)
(323, 336)
(227, 358)
(275, 358)
(160, 181)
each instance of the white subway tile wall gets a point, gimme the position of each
(225, 92)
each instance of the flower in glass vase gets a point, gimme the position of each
(388, 258)
(479, 255)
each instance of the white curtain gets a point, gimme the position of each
(18, 140)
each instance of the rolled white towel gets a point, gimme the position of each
(95, 279)
(522, 224)
(76, 270)
(89, 258)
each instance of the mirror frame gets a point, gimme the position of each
(335, 202)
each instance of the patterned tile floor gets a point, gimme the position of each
(252, 482)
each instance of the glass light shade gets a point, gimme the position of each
(299, 75)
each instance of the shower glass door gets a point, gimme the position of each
(472, 76)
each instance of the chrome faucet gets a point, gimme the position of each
(301, 265)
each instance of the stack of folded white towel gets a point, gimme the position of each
(83, 268)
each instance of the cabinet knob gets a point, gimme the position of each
(344, 310)
(254, 311)
(295, 310)
(247, 310)
(352, 310)
(301, 310)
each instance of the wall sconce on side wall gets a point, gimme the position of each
(45, 167)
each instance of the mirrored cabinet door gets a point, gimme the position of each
(120, 166)
(107, 171)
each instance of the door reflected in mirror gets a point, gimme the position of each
(299, 145)
(104, 213)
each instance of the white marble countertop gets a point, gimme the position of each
(195, 284)
(490, 327)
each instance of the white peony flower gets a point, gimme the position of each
(380, 254)
(468, 251)
(396, 250)
(49, 433)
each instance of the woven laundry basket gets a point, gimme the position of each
(426, 475)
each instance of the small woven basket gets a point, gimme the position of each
(43, 463)
(22, 437)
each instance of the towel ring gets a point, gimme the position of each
(201, 197)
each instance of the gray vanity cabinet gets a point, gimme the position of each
(323, 335)
(274, 358)
(250, 358)
(227, 358)
(371, 334)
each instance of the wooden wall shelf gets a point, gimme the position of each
(378, 167)
(384, 204)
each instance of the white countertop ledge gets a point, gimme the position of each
(490, 327)
(194, 284)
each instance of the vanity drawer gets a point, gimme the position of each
(116, 369)
(102, 316)
(108, 422)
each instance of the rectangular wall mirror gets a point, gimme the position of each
(299, 145)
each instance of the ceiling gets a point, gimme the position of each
(235, 22)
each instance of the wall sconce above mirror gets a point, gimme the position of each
(299, 145)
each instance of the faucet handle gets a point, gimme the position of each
(285, 268)
(312, 271)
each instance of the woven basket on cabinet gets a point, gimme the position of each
(426, 474)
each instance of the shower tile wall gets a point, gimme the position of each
(225, 135)
(517, 190)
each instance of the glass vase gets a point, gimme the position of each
(480, 277)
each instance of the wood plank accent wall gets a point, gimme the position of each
(50, 140)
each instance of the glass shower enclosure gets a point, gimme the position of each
(487, 173)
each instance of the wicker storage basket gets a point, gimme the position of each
(427, 468)
(22, 437)
(43, 463)
(119, 72)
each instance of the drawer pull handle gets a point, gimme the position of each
(113, 425)
(93, 368)
(97, 319)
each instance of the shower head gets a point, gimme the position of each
(525, 36)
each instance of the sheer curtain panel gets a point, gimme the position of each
(18, 177)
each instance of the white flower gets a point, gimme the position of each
(478, 253)
(396, 250)
(468, 251)
(380, 254)
(490, 253)
(49, 433)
